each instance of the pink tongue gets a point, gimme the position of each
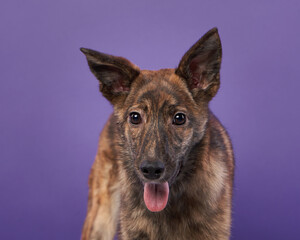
(156, 196)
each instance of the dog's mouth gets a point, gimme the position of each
(156, 196)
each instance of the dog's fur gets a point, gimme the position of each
(197, 155)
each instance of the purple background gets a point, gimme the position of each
(52, 112)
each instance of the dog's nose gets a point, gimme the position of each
(152, 169)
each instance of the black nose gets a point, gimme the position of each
(152, 169)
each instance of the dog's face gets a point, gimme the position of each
(161, 114)
(160, 122)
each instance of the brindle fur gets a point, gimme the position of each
(198, 155)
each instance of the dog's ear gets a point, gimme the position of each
(115, 74)
(200, 66)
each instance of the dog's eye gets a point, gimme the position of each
(179, 119)
(135, 118)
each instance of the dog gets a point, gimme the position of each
(164, 167)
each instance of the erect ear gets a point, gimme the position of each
(115, 74)
(200, 66)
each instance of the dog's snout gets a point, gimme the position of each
(152, 169)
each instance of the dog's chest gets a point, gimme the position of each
(173, 226)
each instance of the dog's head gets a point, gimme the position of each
(162, 114)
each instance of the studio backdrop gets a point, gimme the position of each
(51, 112)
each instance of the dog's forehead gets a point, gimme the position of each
(156, 75)
(158, 88)
(160, 80)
